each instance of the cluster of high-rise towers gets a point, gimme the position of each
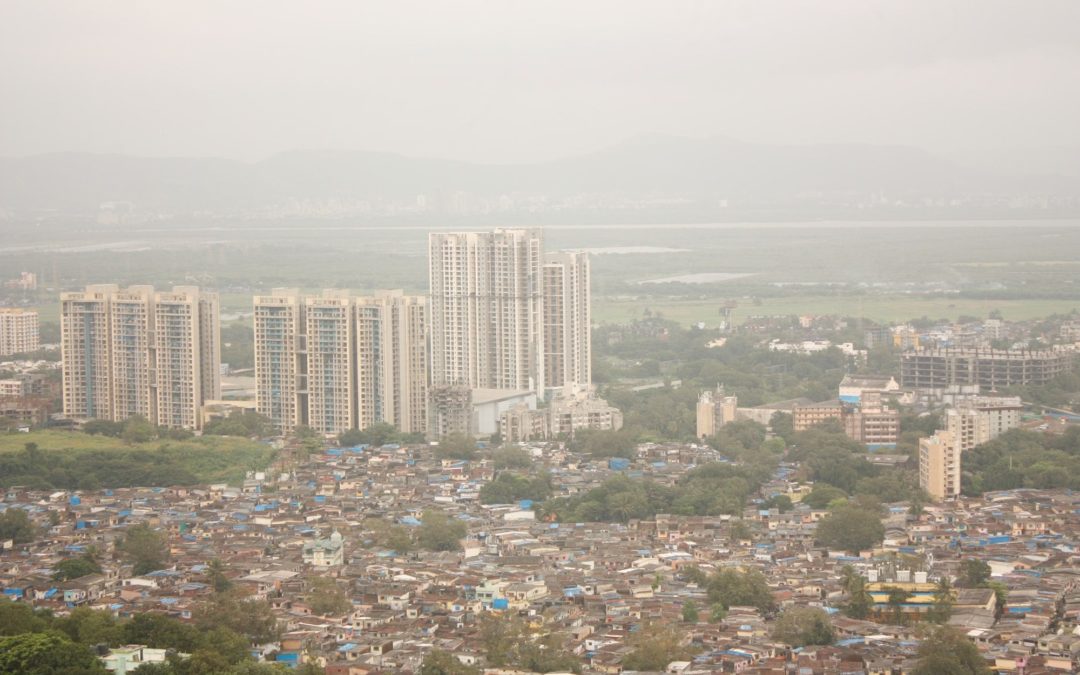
(501, 314)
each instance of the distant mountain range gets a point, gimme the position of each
(647, 167)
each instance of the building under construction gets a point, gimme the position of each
(988, 368)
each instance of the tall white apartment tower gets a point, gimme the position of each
(487, 309)
(567, 321)
(336, 362)
(392, 373)
(280, 382)
(86, 350)
(331, 362)
(187, 355)
(135, 351)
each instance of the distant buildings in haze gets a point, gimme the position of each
(19, 331)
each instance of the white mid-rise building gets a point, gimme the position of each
(18, 331)
(982, 418)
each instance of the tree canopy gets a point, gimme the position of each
(801, 626)
(850, 528)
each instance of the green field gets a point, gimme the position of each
(876, 308)
(66, 458)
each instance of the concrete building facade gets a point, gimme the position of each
(981, 419)
(136, 351)
(336, 362)
(487, 309)
(567, 320)
(714, 410)
(19, 331)
(988, 368)
(939, 465)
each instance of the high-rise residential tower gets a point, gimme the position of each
(487, 309)
(135, 351)
(567, 320)
(392, 336)
(939, 465)
(336, 362)
(18, 331)
(280, 384)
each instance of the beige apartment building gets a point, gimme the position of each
(137, 351)
(487, 309)
(18, 331)
(336, 362)
(393, 329)
(981, 419)
(939, 465)
(567, 320)
(280, 381)
(714, 410)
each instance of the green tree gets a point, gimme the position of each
(653, 648)
(738, 530)
(326, 598)
(215, 574)
(457, 446)
(377, 434)
(606, 443)
(1001, 595)
(438, 662)
(974, 573)
(511, 457)
(508, 487)
(15, 524)
(232, 610)
(729, 587)
(103, 428)
(161, 631)
(782, 503)
(438, 532)
(145, 548)
(897, 598)
(783, 425)
(18, 617)
(690, 612)
(90, 627)
(46, 654)
(801, 626)
(137, 429)
(823, 495)
(943, 602)
(73, 568)
(850, 529)
(946, 651)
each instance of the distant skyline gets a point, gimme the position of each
(520, 82)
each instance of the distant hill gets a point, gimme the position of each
(646, 167)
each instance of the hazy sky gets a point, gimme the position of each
(511, 81)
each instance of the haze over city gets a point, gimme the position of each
(494, 338)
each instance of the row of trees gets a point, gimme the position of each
(184, 462)
(711, 489)
(436, 532)
(218, 640)
(1021, 458)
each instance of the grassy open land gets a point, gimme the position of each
(878, 308)
(68, 459)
